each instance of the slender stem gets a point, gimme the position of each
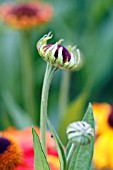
(70, 154)
(27, 76)
(44, 101)
(64, 93)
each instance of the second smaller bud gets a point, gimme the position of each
(80, 133)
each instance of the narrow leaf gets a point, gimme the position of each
(68, 147)
(59, 146)
(18, 116)
(40, 161)
(88, 117)
(82, 158)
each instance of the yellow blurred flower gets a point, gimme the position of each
(103, 150)
(103, 117)
(26, 15)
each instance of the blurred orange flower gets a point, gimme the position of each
(103, 117)
(103, 150)
(26, 15)
(16, 150)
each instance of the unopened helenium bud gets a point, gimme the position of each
(80, 133)
(57, 55)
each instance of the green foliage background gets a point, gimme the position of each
(85, 23)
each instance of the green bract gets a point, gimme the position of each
(80, 133)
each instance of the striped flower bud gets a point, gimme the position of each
(57, 55)
(80, 133)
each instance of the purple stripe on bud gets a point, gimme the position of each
(46, 47)
(65, 53)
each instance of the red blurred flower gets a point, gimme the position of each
(16, 150)
(26, 15)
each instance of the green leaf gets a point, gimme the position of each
(17, 115)
(59, 146)
(40, 161)
(72, 113)
(82, 157)
(68, 147)
(92, 166)
(88, 117)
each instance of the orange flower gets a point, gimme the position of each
(16, 150)
(28, 15)
(103, 150)
(103, 114)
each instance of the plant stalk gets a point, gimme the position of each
(44, 102)
(64, 93)
(70, 154)
(27, 76)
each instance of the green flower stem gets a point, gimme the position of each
(27, 76)
(64, 93)
(44, 101)
(70, 155)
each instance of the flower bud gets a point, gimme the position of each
(80, 133)
(57, 55)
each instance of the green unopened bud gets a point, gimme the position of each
(57, 55)
(80, 133)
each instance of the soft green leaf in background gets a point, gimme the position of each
(74, 112)
(20, 119)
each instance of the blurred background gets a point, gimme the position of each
(89, 24)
